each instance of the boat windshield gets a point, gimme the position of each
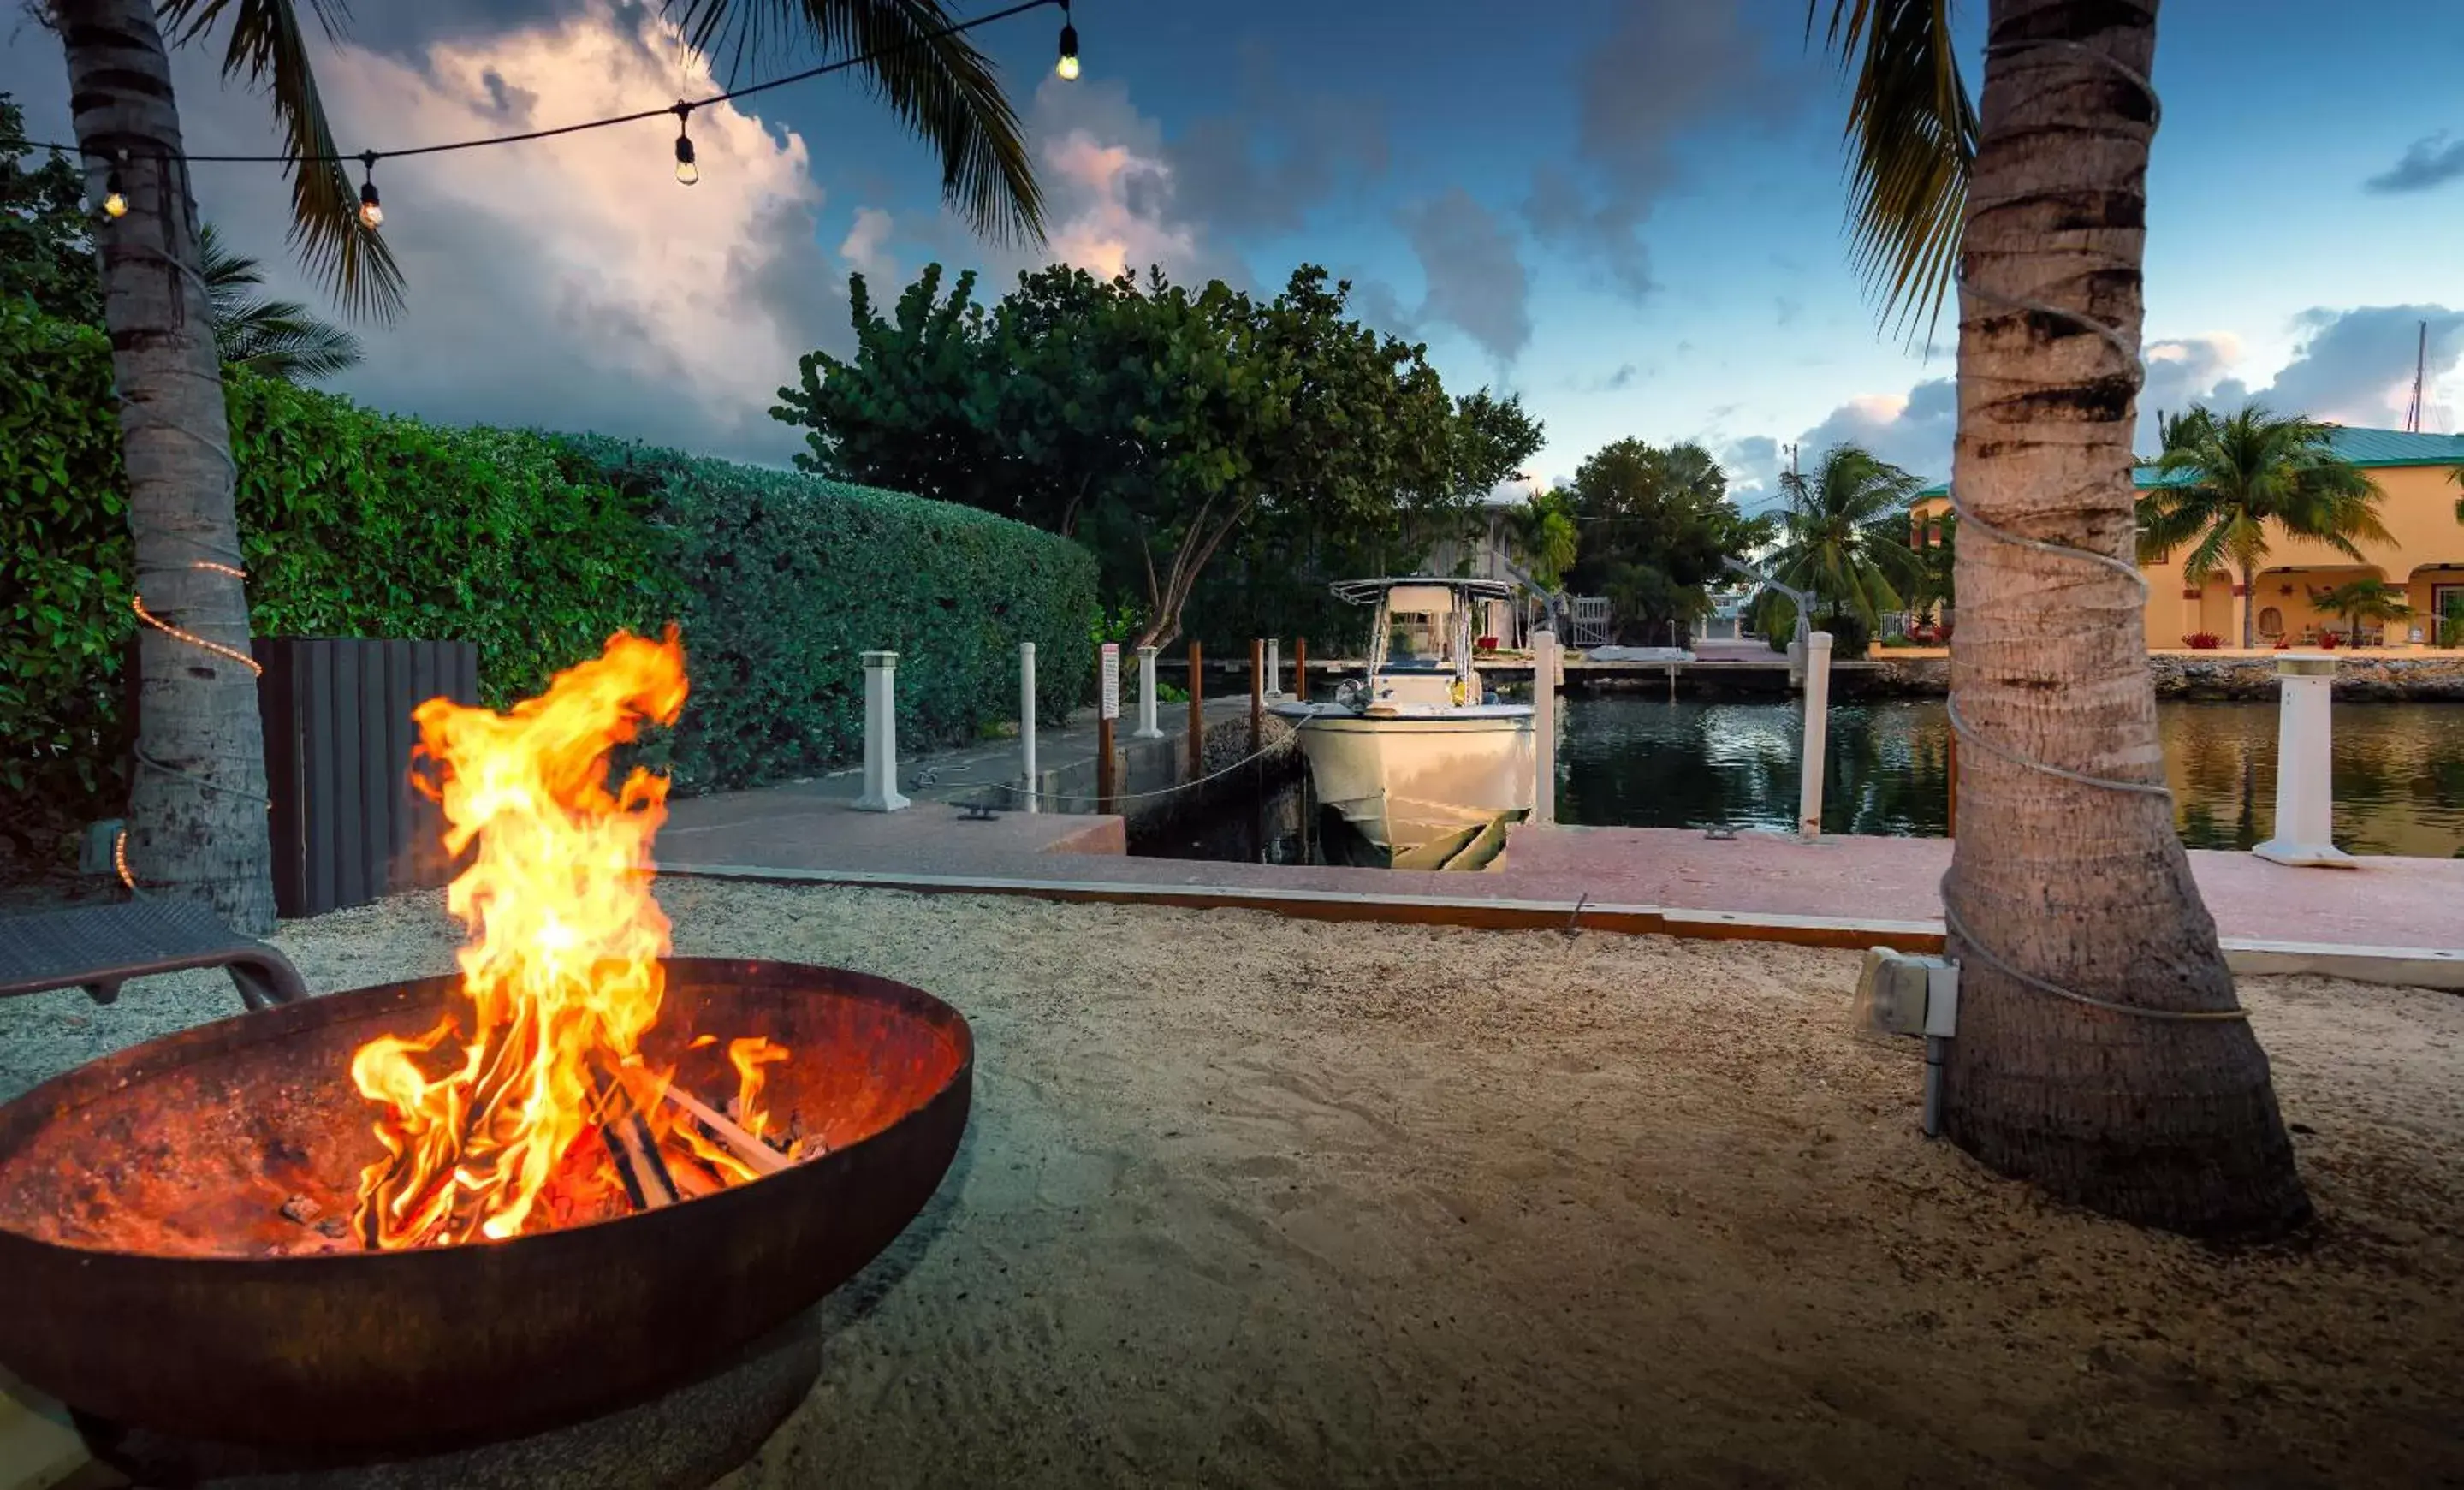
(1418, 638)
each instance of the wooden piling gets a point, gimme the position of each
(1950, 822)
(1300, 669)
(1103, 783)
(1196, 712)
(1257, 693)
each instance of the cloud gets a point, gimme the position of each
(1752, 466)
(2356, 367)
(565, 283)
(2183, 371)
(1475, 277)
(1623, 378)
(1663, 71)
(1912, 430)
(861, 247)
(2431, 160)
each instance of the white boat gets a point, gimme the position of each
(1419, 755)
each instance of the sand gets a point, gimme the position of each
(1249, 1201)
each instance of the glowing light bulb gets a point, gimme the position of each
(115, 201)
(687, 172)
(371, 214)
(1068, 67)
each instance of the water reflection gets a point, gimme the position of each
(2399, 770)
(1637, 762)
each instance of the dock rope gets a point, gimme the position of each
(1967, 521)
(1287, 742)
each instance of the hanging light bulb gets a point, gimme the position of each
(1066, 69)
(115, 198)
(687, 172)
(371, 214)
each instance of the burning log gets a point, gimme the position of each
(634, 1148)
(755, 1154)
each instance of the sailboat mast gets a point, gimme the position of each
(2420, 368)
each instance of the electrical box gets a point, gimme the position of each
(1900, 993)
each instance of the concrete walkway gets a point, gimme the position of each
(2389, 919)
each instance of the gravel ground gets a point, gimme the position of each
(1249, 1201)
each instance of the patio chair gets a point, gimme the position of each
(99, 948)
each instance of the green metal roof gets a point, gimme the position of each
(2361, 446)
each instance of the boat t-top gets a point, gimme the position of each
(1418, 750)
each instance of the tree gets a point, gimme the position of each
(1155, 422)
(1935, 588)
(196, 819)
(46, 249)
(1843, 537)
(2101, 1053)
(2223, 482)
(2358, 600)
(1545, 536)
(272, 339)
(1658, 529)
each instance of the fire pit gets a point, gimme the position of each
(388, 1226)
(159, 1273)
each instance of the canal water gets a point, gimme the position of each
(1632, 762)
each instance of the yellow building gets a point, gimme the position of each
(2417, 498)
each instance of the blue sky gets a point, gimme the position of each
(1628, 212)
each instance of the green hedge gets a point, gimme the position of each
(534, 548)
(788, 579)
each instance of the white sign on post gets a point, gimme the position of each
(1111, 706)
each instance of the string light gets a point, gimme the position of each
(1066, 69)
(371, 211)
(137, 604)
(115, 197)
(687, 172)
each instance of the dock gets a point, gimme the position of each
(2386, 920)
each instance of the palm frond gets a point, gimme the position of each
(273, 338)
(938, 85)
(1912, 138)
(267, 47)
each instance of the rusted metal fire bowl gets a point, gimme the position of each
(140, 1195)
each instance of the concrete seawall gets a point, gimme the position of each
(2193, 676)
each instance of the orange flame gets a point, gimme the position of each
(561, 975)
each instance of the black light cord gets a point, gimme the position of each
(371, 157)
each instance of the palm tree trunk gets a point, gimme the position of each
(196, 807)
(2165, 1122)
(2249, 607)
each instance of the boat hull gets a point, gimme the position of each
(1406, 781)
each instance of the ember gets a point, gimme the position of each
(542, 1112)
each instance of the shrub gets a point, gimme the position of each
(533, 548)
(2329, 640)
(352, 523)
(2203, 641)
(783, 581)
(1850, 636)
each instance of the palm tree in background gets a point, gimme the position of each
(196, 819)
(1545, 535)
(2360, 600)
(272, 339)
(2227, 483)
(2102, 1052)
(1843, 537)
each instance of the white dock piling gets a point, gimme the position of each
(1026, 725)
(1147, 729)
(880, 734)
(2305, 759)
(1274, 667)
(1544, 727)
(1817, 730)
